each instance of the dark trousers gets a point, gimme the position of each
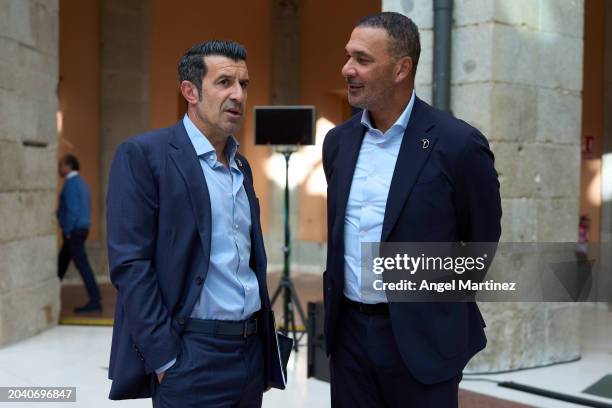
(367, 370)
(214, 372)
(73, 248)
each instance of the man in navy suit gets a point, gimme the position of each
(186, 252)
(400, 171)
(74, 217)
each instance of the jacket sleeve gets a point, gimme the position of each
(478, 199)
(478, 202)
(329, 152)
(132, 218)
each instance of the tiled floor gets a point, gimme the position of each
(78, 356)
(570, 378)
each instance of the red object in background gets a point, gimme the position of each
(588, 144)
(582, 246)
(583, 229)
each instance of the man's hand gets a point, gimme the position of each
(160, 377)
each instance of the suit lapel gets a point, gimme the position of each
(348, 152)
(250, 192)
(412, 156)
(188, 164)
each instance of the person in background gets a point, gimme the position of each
(74, 216)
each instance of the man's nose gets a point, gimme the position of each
(348, 70)
(238, 93)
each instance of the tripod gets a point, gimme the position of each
(290, 296)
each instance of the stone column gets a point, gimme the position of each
(517, 76)
(29, 288)
(285, 86)
(286, 50)
(124, 93)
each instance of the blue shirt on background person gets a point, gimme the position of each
(74, 204)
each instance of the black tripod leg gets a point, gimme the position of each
(277, 292)
(292, 323)
(296, 300)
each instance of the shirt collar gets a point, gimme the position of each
(73, 173)
(401, 122)
(202, 145)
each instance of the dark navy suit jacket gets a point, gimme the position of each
(159, 232)
(447, 192)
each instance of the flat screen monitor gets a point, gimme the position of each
(284, 125)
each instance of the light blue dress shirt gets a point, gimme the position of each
(365, 209)
(231, 290)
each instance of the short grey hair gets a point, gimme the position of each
(403, 32)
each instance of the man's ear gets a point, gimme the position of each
(403, 69)
(190, 92)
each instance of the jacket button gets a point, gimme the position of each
(199, 280)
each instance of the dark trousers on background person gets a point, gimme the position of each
(367, 370)
(73, 249)
(214, 372)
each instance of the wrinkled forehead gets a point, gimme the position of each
(218, 65)
(371, 41)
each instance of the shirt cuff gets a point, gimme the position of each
(165, 366)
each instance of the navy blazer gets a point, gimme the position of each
(159, 231)
(447, 192)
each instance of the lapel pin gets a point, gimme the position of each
(425, 143)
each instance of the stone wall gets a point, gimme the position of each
(29, 288)
(517, 76)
